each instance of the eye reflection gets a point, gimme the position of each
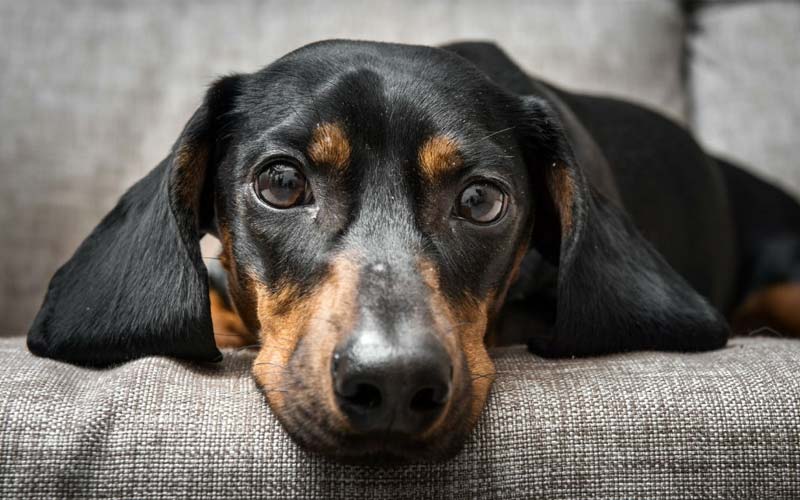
(282, 185)
(481, 202)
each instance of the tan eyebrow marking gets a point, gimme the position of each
(439, 155)
(329, 146)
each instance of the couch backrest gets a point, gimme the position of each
(92, 94)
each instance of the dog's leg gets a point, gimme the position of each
(773, 310)
(768, 227)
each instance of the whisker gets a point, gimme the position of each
(278, 347)
(226, 334)
(497, 132)
(274, 390)
(268, 369)
(286, 385)
(266, 389)
(505, 391)
(265, 370)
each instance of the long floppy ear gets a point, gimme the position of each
(615, 292)
(137, 285)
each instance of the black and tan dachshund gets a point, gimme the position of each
(388, 211)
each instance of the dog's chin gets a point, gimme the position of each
(384, 448)
(307, 413)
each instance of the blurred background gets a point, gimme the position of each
(93, 93)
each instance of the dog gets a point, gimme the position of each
(386, 212)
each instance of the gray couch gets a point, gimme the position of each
(723, 424)
(93, 93)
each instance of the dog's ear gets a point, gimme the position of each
(614, 291)
(137, 285)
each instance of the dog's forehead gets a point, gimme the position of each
(400, 64)
(372, 87)
(354, 101)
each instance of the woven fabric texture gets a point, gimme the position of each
(723, 424)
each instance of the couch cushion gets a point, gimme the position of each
(722, 424)
(93, 93)
(744, 80)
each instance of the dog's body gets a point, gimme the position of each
(385, 211)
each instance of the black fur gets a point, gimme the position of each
(635, 300)
(767, 231)
(138, 285)
(649, 261)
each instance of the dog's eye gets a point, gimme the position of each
(282, 185)
(481, 202)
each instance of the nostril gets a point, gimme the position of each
(380, 387)
(429, 399)
(364, 396)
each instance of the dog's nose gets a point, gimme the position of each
(385, 387)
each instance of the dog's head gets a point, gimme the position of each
(374, 203)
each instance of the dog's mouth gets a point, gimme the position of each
(401, 379)
(387, 448)
(322, 419)
(315, 430)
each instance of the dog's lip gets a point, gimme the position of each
(391, 448)
(374, 447)
(316, 428)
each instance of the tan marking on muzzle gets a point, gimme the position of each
(438, 156)
(320, 317)
(462, 325)
(329, 146)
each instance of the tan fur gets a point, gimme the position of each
(562, 189)
(462, 326)
(229, 330)
(190, 164)
(241, 288)
(438, 156)
(321, 318)
(776, 307)
(329, 146)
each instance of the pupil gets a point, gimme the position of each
(481, 203)
(282, 186)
